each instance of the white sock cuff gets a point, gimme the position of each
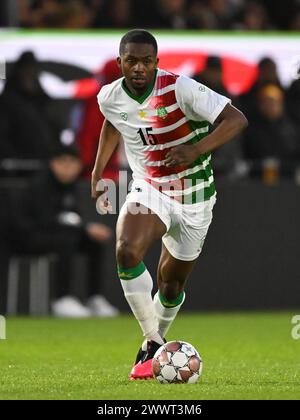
(162, 311)
(141, 284)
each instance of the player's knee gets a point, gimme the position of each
(171, 290)
(128, 254)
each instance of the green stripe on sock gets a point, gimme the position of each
(170, 303)
(131, 273)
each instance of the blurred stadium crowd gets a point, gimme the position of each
(33, 124)
(175, 14)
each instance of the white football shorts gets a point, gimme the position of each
(186, 224)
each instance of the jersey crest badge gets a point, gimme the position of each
(124, 116)
(162, 112)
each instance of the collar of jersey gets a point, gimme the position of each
(140, 99)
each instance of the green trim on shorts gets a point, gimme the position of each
(170, 303)
(131, 273)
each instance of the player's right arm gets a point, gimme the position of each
(108, 141)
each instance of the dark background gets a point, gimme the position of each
(250, 259)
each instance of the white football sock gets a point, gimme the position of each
(164, 315)
(137, 289)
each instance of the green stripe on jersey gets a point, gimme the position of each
(198, 137)
(203, 175)
(198, 124)
(199, 196)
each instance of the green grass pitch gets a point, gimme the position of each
(246, 356)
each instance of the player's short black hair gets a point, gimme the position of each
(137, 36)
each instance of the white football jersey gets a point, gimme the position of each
(174, 110)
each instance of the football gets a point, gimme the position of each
(177, 362)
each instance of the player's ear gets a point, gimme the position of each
(119, 61)
(157, 61)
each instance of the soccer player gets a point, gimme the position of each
(163, 119)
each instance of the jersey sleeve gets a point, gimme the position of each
(102, 99)
(197, 101)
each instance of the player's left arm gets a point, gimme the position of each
(196, 99)
(230, 122)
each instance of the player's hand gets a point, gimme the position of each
(183, 155)
(98, 191)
